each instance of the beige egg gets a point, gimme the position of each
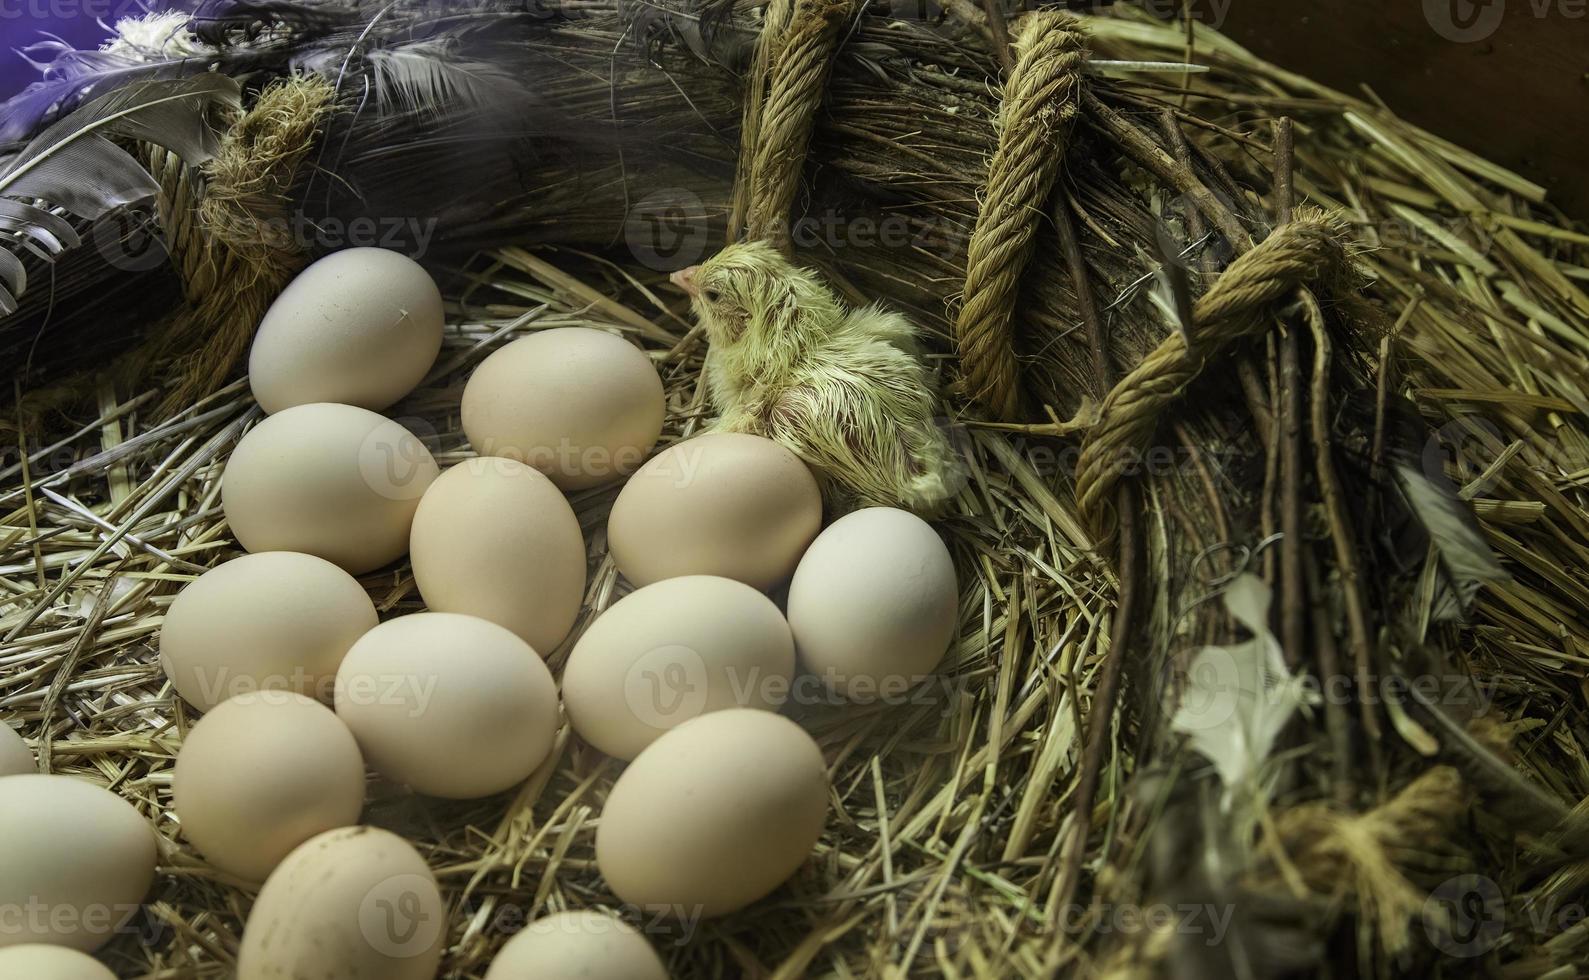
(328, 480)
(76, 861)
(261, 774)
(277, 620)
(582, 406)
(15, 756)
(356, 903)
(726, 504)
(449, 705)
(494, 538)
(714, 814)
(361, 326)
(873, 604)
(582, 945)
(39, 962)
(671, 651)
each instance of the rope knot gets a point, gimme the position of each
(1311, 249)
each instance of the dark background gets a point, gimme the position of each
(1506, 78)
(1518, 93)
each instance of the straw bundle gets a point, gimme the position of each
(1049, 806)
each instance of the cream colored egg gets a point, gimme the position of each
(671, 651)
(582, 406)
(277, 620)
(357, 903)
(328, 480)
(714, 814)
(261, 774)
(450, 705)
(76, 861)
(361, 326)
(494, 538)
(15, 756)
(39, 962)
(873, 604)
(726, 504)
(582, 945)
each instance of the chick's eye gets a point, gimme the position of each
(711, 295)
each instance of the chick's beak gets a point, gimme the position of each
(685, 280)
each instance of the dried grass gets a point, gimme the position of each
(944, 851)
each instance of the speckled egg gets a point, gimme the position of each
(357, 903)
(361, 327)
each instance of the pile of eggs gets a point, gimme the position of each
(302, 686)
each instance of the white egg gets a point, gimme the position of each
(494, 538)
(582, 945)
(714, 814)
(450, 705)
(76, 861)
(15, 756)
(582, 406)
(35, 961)
(275, 620)
(873, 604)
(671, 651)
(329, 480)
(723, 503)
(361, 327)
(261, 774)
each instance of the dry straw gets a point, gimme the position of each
(1014, 819)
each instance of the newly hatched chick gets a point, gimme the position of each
(845, 390)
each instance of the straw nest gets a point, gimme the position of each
(955, 844)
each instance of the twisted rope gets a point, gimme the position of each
(1039, 104)
(1237, 305)
(229, 233)
(793, 56)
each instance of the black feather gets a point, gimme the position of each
(74, 167)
